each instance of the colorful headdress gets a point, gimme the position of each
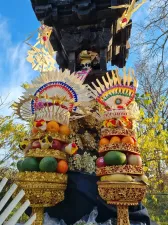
(53, 96)
(116, 94)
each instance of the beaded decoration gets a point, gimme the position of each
(53, 96)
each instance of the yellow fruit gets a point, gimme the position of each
(64, 130)
(115, 139)
(128, 140)
(53, 127)
(104, 141)
(117, 178)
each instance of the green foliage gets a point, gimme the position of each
(157, 207)
(11, 133)
(153, 139)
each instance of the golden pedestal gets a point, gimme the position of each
(42, 190)
(122, 194)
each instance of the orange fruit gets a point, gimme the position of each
(128, 140)
(62, 166)
(104, 141)
(64, 130)
(115, 139)
(53, 126)
(34, 130)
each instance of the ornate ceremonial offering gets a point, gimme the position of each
(123, 21)
(122, 180)
(81, 119)
(41, 54)
(49, 102)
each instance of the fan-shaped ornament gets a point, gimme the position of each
(116, 94)
(40, 59)
(54, 96)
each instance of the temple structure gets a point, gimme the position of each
(86, 35)
(85, 25)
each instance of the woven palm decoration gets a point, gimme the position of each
(41, 54)
(116, 93)
(131, 8)
(54, 96)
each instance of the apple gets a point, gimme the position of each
(56, 145)
(100, 162)
(36, 144)
(63, 146)
(134, 160)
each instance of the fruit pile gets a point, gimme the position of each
(47, 149)
(119, 159)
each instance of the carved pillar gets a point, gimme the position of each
(39, 211)
(103, 61)
(72, 61)
(122, 215)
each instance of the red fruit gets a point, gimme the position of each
(100, 162)
(36, 144)
(73, 145)
(56, 145)
(134, 160)
(63, 146)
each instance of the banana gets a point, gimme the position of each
(142, 178)
(117, 177)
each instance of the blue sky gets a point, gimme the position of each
(17, 21)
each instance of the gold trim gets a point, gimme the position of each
(122, 215)
(125, 193)
(39, 211)
(46, 152)
(126, 169)
(41, 195)
(41, 177)
(119, 147)
(105, 132)
(126, 203)
(41, 185)
(58, 136)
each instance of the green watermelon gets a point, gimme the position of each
(115, 158)
(19, 165)
(30, 164)
(48, 164)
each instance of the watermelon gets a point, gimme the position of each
(19, 165)
(48, 164)
(115, 158)
(30, 164)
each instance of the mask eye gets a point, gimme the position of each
(50, 139)
(118, 101)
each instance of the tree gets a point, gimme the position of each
(153, 35)
(152, 140)
(11, 133)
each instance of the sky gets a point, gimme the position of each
(17, 22)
